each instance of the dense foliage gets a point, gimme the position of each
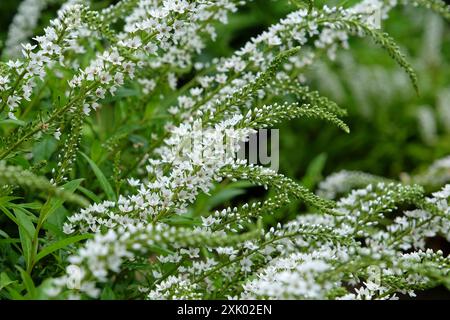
(120, 123)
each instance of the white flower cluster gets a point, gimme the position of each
(150, 31)
(23, 74)
(191, 160)
(194, 156)
(105, 253)
(318, 270)
(317, 255)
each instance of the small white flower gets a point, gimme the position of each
(246, 264)
(68, 228)
(133, 182)
(57, 134)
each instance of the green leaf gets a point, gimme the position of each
(51, 206)
(56, 220)
(19, 161)
(26, 233)
(5, 280)
(160, 250)
(9, 241)
(88, 193)
(28, 282)
(13, 121)
(104, 184)
(122, 93)
(183, 220)
(31, 205)
(12, 175)
(25, 221)
(6, 199)
(9, 214)
(55, 229)
(314, 171)
(15, 295)
(60, 244)
(44, 149)
(3, 234)
(224, 195)
(107, 293)
(309, 4)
